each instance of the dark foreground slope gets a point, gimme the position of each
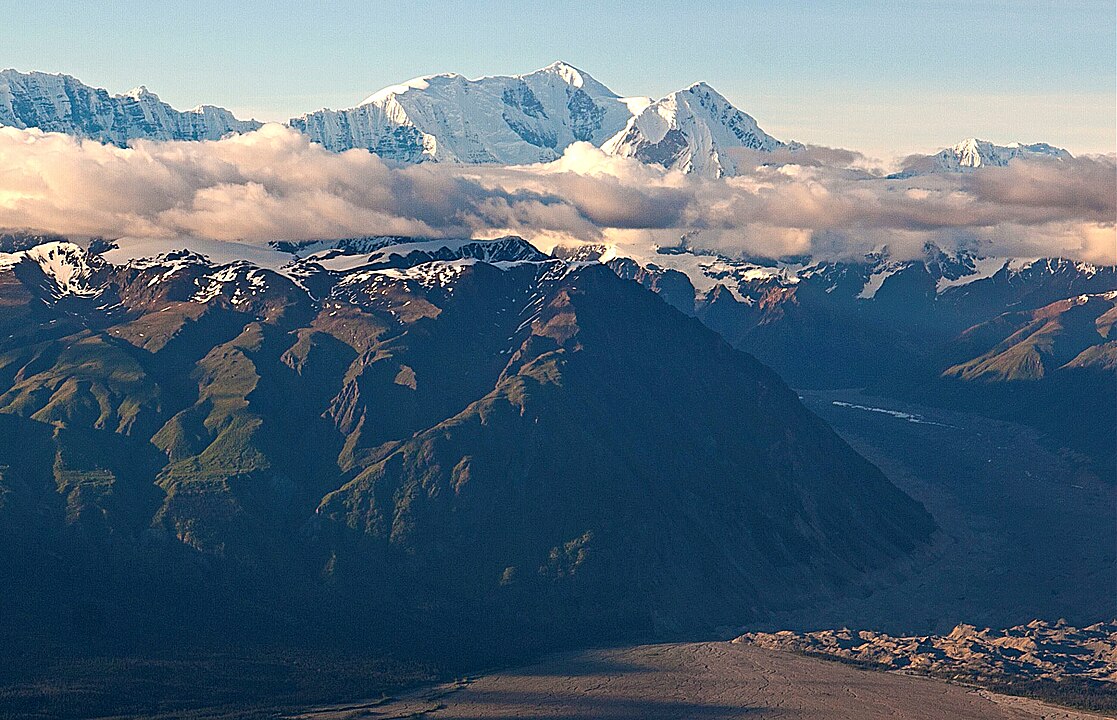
(461, 452)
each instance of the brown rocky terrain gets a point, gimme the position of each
(1039, 651)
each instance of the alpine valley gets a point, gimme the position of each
(304, 477)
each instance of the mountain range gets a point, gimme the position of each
(971, 154)
(506, 120)
(451, 443)
(60, 103)
(468, 451)
(414, 456)
(1028, 340)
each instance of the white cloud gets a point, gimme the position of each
(275, 184)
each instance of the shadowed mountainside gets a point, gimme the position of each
(490, 454)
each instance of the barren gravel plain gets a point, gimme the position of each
(706, 681)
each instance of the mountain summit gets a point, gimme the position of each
(972, 153)
(511, 120)
(691, 130)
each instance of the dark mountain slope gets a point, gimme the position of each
(1007, 338)
(1051, 368)
(432, 454)
(586, 475)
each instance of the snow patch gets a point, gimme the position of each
(983, 268)
(869, 291)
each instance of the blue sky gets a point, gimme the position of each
(882, 77)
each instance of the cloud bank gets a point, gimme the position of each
(274, 184)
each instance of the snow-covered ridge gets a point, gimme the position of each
(691, 130)
(398, 253)
(60, 103)
(429, 275)
(853, 280)
(505, 120)
(972, 153)
(239, 272)
(68, 269)
(239, 281)
(511, 120)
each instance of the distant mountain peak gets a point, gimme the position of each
(691, 130)
(140, 91)
(973, 153)
(703, 86)
(501, 119)
(61, 103)
(561, 66)
(574, 77)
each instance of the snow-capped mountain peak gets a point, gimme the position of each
(514, 119)
(140, 91)
(691, 130)
(60, 103)
(573, 77)
(423, 82)
(973, 153)
(66, 269)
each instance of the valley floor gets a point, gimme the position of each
(1026, 531)
(713, 680)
